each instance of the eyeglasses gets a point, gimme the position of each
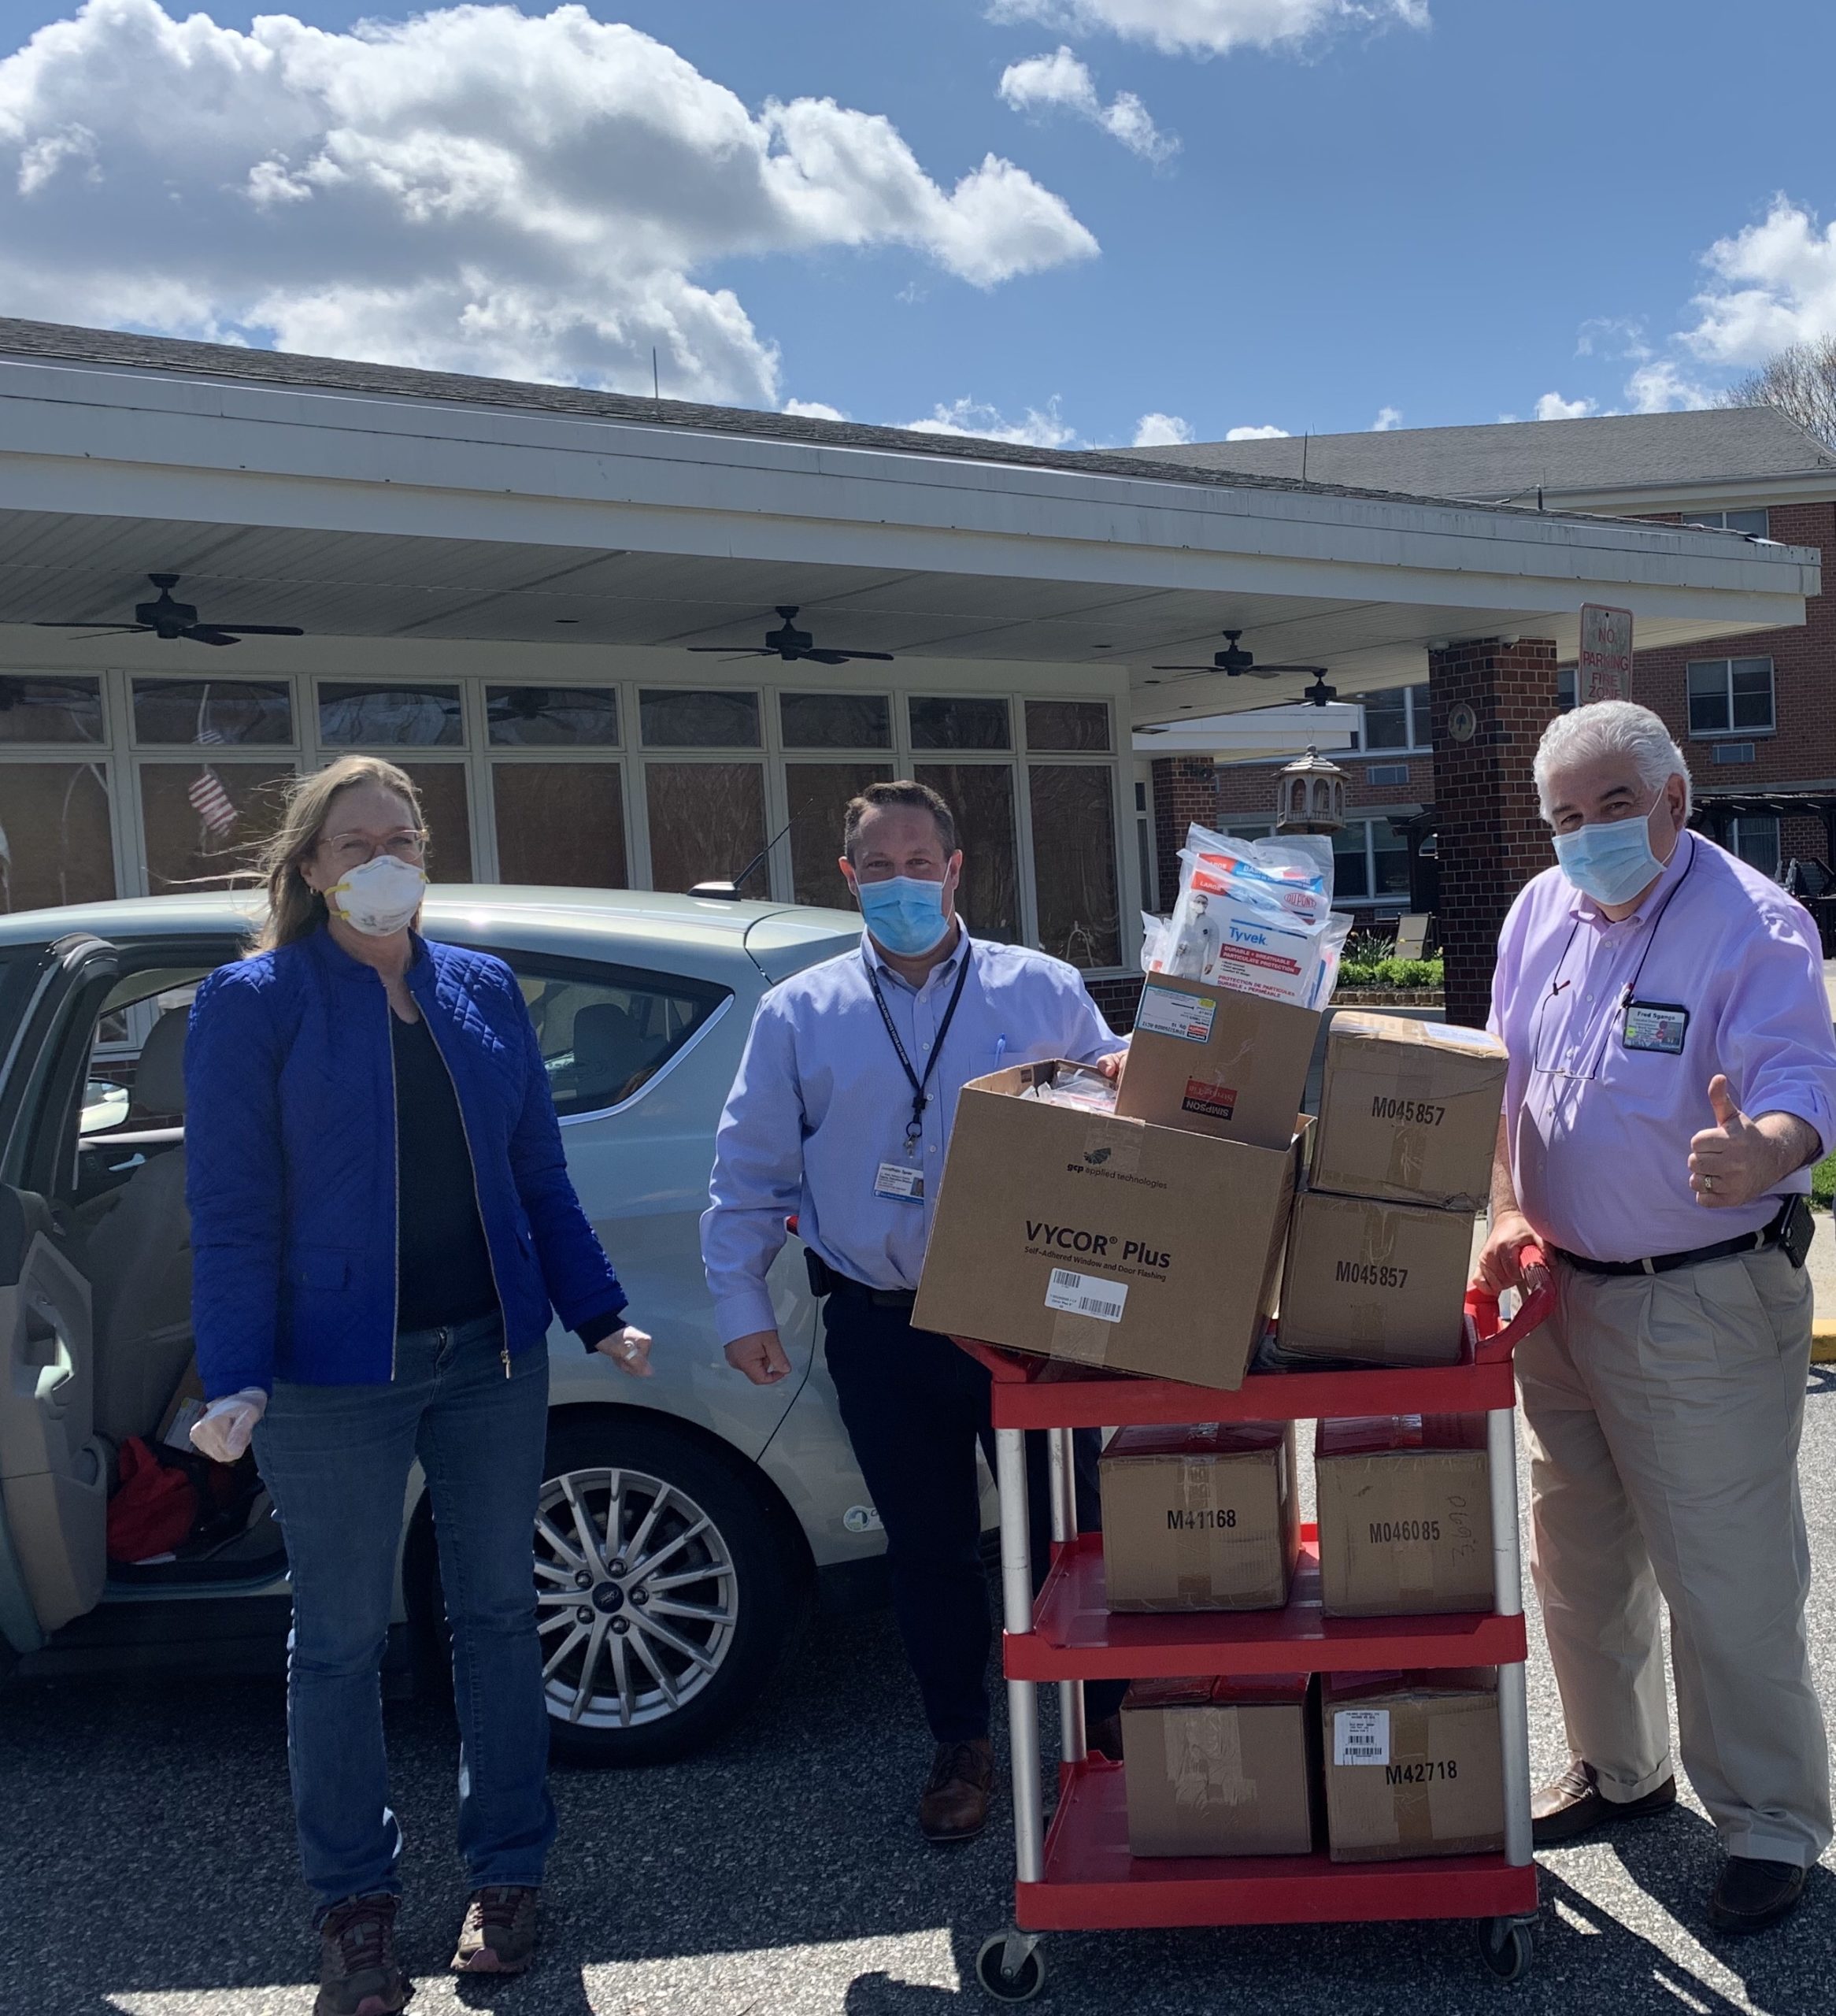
(343, 851)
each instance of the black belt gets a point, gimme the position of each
(823, 1281)
(1665, 1263)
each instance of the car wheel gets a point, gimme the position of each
(668, 1591)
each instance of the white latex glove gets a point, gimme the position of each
(222, 1431)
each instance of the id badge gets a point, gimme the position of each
(900, 1180)
(1659, 1025)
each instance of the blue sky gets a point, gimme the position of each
(1450, 210)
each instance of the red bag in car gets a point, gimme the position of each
(153, 1509)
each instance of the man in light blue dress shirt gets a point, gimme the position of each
(841, 1115)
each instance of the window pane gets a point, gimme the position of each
(1707, 696)
(445, 806)
(1753, 692)
(202, 822)
(604, 1033)
(1564, 689)
(819, 795)
(383, 716)
(1350, 877)
(51, 710)
(544, 716)
(561, 824)
(56, 825)
(1756, 841)
(1758, 523)
(959, 724)
(253, 712)
(707, 821)
(698, 721)
(836, 720)
(1386, 720)
(1068, 724)
(1392, 848)
(981, 795)
(1074, 862)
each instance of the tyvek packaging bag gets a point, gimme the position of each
(1204, 1517)
(1408, 1111)
(1219, 1767)
(1256, 916)
(1375, 1283)
(1412, 1764)
(1406, 1515)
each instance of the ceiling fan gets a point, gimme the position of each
(1236, 662)
(790, 644)
(168, 620)
(1320, 693)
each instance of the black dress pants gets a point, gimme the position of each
(915, 1408)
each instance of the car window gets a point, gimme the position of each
(606, 1031)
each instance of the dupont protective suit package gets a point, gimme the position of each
(1256, 916)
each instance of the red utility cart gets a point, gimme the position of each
(1077, 1874)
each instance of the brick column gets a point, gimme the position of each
(1186, 788)
(1490, 838)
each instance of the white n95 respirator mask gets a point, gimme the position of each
(379, 898)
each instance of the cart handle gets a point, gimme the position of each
(1495, 1344)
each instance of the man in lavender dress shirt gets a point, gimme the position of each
(1672, 1076)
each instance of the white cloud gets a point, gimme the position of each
(1162, 430)
(1212, 27)
(813, 409)
(1774, 284)
(1612, 336)
(1257, 434)
(968, 417)
(1060, 80)
(472, 189)
(1552, 406)
(1660, 386)
(1388, 420)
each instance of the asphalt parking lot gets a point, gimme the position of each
(146, 1863)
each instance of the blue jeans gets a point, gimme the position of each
(336, 1459)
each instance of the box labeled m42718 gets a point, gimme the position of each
(1412, 1765)
(1375, 1284)
(1406, 1515)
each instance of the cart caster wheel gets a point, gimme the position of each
(1504, 1948)
(991, 1971)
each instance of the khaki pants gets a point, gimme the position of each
(1663, 1413)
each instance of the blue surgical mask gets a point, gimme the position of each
(905, 915)
(1610, 862)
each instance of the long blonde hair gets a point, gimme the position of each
(295, 910)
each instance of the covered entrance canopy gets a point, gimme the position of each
(501, 580)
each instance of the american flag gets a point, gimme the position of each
(211, 801)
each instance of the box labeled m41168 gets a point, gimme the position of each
(1376, 1284)
(1101, 1241)
(1406, 1515)
(1412, 1765)
(1219, 1767)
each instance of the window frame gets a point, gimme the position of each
(1416, 726)
(1732, 732)
(1716, 521)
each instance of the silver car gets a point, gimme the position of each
(687, 1525)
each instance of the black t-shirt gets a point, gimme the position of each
(442, 1270)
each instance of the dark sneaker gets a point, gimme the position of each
(953, 1805)
(1574, 1805)
(1753, 1895)
(499, 1936)
(359, 1974)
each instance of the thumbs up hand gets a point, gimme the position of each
(1734, 1161)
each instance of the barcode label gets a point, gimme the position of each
(1360, 1736)
(1165, 1012)
(1087, 1295)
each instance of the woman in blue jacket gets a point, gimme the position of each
(381, 1220)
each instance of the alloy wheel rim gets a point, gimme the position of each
(637, 1598)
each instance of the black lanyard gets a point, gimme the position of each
(916, 1125)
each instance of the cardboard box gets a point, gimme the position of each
(1412, 1763)
(1406, 1515)
(1215, 1060)
(1408, 1111)
(1219, 1767)
(1375, 1284)
(1200, 1518)
(1101, 1241)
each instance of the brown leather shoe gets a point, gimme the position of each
(499, 1936)
(953, 1805)
(1753, 1895)
(1573, 1805)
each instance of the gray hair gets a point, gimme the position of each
(1611, 727)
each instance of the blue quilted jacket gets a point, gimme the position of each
(290, 1135)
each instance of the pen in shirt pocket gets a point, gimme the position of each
(1000, 1050)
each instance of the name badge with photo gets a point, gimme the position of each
(1659, 1025)
(900, 1180)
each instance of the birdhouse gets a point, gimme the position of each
(1310, 796)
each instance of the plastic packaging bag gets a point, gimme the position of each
(1257, 916)
(1079, 1085)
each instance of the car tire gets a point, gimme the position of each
(721, 1548)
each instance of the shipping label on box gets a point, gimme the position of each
(1375, 1283)
(1405, 1515)
(1408, 1111)
(1200, 1518)
(1219, 1768)
(1101, 1241)
(1412, 1765)
(1213, 1060)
